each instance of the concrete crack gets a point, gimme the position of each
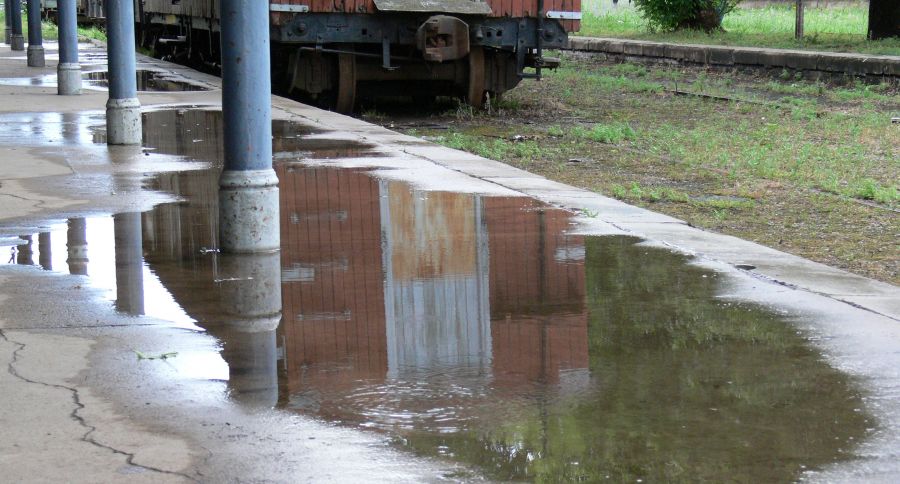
(74, 415)
(37, 203)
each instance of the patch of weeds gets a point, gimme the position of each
(556, 130)
(869, 189)
(161, 356)
(373, 113)
(507, 104)
(605, 133)
(656, 194)
(627, 69)
(863, 91)
(723, 203)
(494, 149)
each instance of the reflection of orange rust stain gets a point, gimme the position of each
(432, 233)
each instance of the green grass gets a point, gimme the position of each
(807, 167)
(495, 149)
(840, 29)
(604, 133)
(49, 30)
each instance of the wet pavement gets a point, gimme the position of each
(436, 324)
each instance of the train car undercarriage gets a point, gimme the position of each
(334, 59)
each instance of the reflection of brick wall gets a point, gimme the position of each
(537, 348)
(539, 319)
(332, 277)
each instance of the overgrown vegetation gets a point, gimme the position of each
(667, 15)
(49, 30)
(809, 167)
(840, 29)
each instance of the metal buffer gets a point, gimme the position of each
(123, 110)
(16, 41)
(248, 188)
(35, 42)
(68, 70)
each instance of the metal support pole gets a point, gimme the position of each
(123, 110)
(45, 259)
(16, 40)
(129, 263)
(35, 42)
(68, 71)
(25, 256)
(76, 245)
(248, 196)
(7, 19)
(798, 25)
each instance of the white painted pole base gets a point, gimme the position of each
(250, 301)
(248, 211)
(68, 79)
(35, 56)
(123, 122)
(16, 42)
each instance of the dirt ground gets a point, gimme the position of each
(808, 167)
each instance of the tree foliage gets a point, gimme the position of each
(704, 15)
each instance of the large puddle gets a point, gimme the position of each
(474, 328)
(147, 81)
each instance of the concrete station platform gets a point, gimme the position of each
(811, 63)
(74, 405)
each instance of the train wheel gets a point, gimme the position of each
(346, 93)
(475, 91)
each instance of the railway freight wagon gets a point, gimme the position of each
(331, 51)
(88, 11)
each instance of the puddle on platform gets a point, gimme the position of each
(148, 81)
(197, 134)
(193, 133)
(464, 326)
(474, 328)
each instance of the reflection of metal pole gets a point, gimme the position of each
(26, 254)
(129, 263)
(248, 208)
(250, 298)
(35, 42)
(68, 71)
(7, 11)
(76, 243)
(16, 41)
(46, 257)
(123, 110)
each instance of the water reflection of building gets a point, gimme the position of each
(537, 290)
(436, 280)
(332, 273)
(386, 285)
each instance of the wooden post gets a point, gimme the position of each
(884, 19)
(798, 25)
